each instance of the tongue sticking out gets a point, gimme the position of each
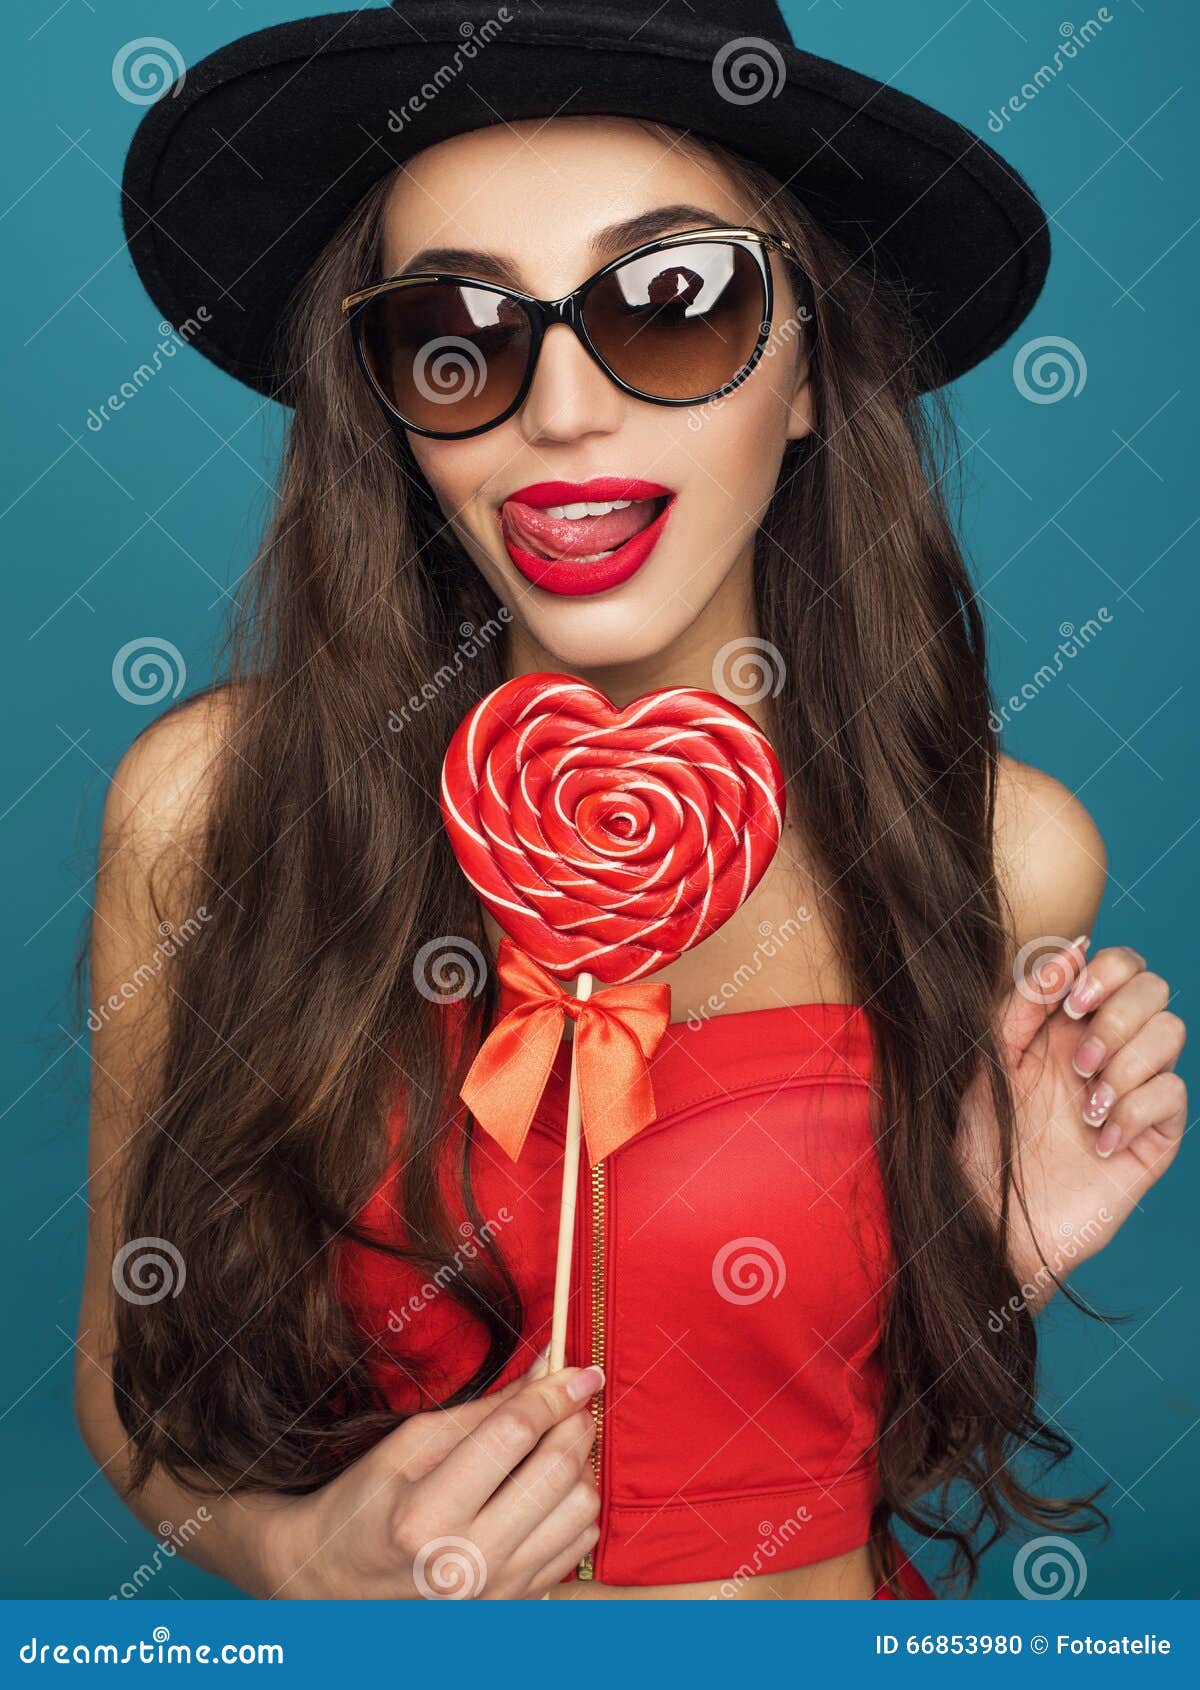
(581, 537)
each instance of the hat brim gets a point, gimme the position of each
(238, 177)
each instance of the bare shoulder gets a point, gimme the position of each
(1051, 860)
(157, 798)
(145, 905)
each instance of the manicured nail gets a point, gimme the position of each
(585, 1384)
(1089, 1056)
(1099, 1104)
(1108, 1140)
(1082, 943)
(1083, 994)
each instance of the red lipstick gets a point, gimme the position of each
(580, 554)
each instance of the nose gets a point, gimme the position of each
(570, 395)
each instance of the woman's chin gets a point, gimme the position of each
(584, 656)
(629, 625)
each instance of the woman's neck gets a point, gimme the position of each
(728, 620)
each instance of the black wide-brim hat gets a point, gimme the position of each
(243, 170)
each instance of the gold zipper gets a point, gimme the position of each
(586, 1567)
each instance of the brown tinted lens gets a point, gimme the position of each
(446, 356)
(680, 323)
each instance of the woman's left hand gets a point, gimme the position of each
(1091, 1051)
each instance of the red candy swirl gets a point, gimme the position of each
(610, 841)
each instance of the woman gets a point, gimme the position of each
(861, 1078)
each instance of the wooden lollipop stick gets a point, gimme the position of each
(566, 1213)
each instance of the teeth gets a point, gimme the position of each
(574, 512)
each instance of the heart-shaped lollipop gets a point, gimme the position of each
(610, 841)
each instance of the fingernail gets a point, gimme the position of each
(1082, 943)
(585, 1384)
(1108, 1140)
(1089, 1056)
(1098, 1105)
(1081, 997)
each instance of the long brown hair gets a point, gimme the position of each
(323, 867)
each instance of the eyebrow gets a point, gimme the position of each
(608, 242)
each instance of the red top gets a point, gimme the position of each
(729, 1269)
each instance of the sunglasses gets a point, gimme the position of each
(677, 321)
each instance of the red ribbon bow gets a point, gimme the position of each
(616, 1034)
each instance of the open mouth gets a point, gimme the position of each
(582, 546)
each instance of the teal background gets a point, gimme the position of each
(143, 527)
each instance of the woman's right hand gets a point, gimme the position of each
(491, 1499)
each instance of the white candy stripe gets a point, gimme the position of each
(634, 896)
(495, 790)
(769, 796)
(700, 816)
(664, 868)
(700, 919)
(521, 778)
(494, 901)
(746, 876)
(648, 967)
(472, 762)
(462, 821)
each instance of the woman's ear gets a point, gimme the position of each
(800, 412)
